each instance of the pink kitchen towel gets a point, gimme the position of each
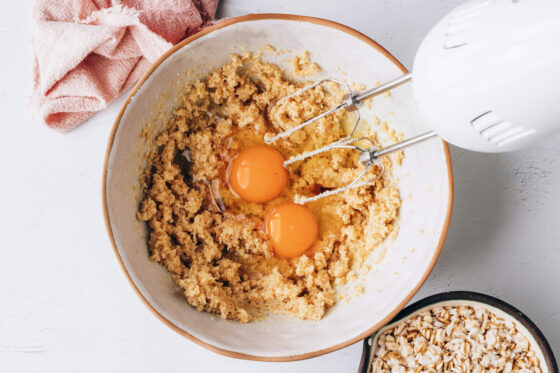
(87, 52)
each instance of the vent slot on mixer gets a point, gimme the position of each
(460, 24)
(497, 131)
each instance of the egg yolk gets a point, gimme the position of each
(291, 228)
(257, 173)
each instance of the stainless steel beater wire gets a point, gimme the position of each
(354, 147)
(342, 105)
(383, 88)
(402, 144)
(287, 133)
(346, 140)
(301, 200)
(308, 87)
(334, 145)
(373, 155)
(312, 153)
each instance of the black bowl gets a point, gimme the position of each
(550, 361)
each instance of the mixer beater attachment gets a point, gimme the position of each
(368, 156)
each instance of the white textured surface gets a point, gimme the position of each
(65, 306)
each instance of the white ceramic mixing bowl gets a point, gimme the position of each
(425, 182)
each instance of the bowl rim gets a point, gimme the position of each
(233, 354)
(461, 295)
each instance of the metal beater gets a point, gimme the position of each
(368, 156)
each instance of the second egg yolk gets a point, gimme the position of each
(291, 228)
(257, 173)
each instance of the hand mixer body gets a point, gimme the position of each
(487, 76)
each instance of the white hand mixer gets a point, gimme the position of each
(486, 78)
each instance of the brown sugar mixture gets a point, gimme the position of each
(212, 242)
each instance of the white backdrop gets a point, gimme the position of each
(65, 305)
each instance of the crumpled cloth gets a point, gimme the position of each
(87, 52)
